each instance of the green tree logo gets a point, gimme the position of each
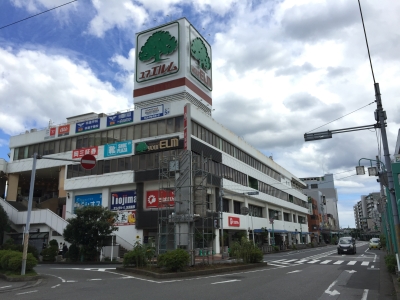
(159, 43)
(141, 147)
(199, 52)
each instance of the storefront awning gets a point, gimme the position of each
(279, 231)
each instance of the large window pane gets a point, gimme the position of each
(138, 131)
(130, 135)
(62, 145)
(128, 163)
(97, 139)
(73, 143)
(179, 124)
(114, 165)
(153, 128)
(91, 140)
(68, 144)
(103, 138)
(110, 137)
(145, 130)
(142, 162)
(123, 134)
(121, 164)
(117, 135)
(106, 167)
(171, 125)
(162, 127)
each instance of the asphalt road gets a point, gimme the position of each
(315, 273)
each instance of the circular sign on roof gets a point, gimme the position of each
(88, 162)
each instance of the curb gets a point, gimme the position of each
(20, 279)
(191, 273)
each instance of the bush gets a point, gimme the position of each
(174, 260)
(5, 258)
(50, 253)
(276, 248)
(73, 252)
(15, 262)
(2, 254)
(53, 242)
(390, 261)
(10, 245)
(137, 256)
(247, 251)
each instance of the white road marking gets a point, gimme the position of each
(365, 263)
(325, 262)
(302, 260)
(62, 279)
(338, 262)
(53, 287)
(276, 265)
(290, 260)
(3, 287)
(313, 261)
(351, 263)
(94, 279)
(372, 267)
(351, 271)
(227, 281)
(334, 292)
(71, 281)
(365, 295)
(295, 271)
(27, 292)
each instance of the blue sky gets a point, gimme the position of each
(280, 67)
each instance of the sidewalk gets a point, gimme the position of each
(388, 285)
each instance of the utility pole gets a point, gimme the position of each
(380, 117)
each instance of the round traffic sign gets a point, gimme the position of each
(88, 162)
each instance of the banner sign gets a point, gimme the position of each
(63, 130)
(124, 218)
(234, 221)
(160, 198)
(87, 200)
(157, 145)
(87, 126)
(120, 119)
(119, 148)
(50, 133)
(81, 152)
(152, 112)
(123, 200)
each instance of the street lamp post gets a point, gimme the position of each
(301, 232)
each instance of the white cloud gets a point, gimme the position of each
(37, 87)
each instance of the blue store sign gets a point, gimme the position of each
(87, 125)
(123, 200)
(152, 112)
(116, 149)
(120, 119)
(87, 200)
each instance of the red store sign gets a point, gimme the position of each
(234, 221)
(155, 199)
(82, 152)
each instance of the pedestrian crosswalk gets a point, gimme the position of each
(287, 262)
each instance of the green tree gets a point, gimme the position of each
(90, 228)
(159, 43)
(3, 223)
(199, 52)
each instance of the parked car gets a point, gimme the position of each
(375, 243)
(346, 245)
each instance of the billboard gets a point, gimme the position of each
(63, 130)
(119, 119)
(157, 52)
(87, 126)
(87, 200)
(233, 221)
(152, 112)
(83, 151)
(123, 200)
(124, 218)
(160, 198)
(116, 149)
(50, 133)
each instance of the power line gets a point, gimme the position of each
(37, 14)
(342, 116)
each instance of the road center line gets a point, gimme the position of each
(365, 295)
(27, 292)
(225, 281)
(3, 287)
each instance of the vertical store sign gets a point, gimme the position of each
(187, 127)
(63, 130)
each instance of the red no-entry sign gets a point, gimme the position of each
(88, 162)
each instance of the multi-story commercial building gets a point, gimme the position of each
(175, 176)
(366, 214)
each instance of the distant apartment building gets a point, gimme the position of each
(366, 214)
(323, 190)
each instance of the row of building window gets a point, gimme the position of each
(223, 145)
(98, 138)
(150, 161)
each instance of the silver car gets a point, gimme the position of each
(346, 245)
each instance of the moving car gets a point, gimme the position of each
(375, 243)
(346, 245)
